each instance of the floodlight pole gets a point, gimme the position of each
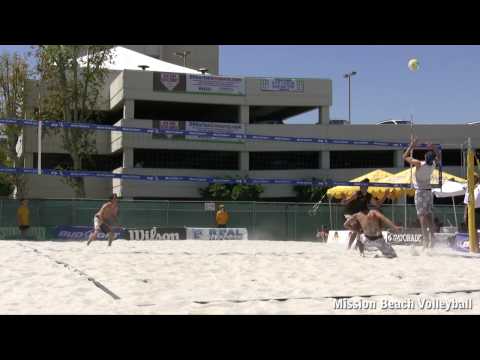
(349, 77)
(39, 157)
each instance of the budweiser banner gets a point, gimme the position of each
(215, 84)
(287, 85)
(68, 232)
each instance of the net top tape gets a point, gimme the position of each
(213, 135)
(212, 180)
(199, 179)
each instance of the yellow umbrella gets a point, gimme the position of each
(403, 177)
(340, 192)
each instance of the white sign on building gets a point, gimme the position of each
(217, 128)
(280, 84)
(215, 84)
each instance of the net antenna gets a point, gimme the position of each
(411, 151)
(314, 209)
(39, 157)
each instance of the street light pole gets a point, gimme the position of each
(183, 54)
(349, 77)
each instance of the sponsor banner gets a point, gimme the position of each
(413, 237)
(277, 84)
(172, 82)
(340, 237)
(461, 242)
(157, 233)
(217, 234)
(208, 131)
(171, 130)
(67, 232)
(215, 84)
(13, 233)
(209, 206)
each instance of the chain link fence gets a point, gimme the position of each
(268, 221)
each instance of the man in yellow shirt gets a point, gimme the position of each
(23, 218)
(221, 217)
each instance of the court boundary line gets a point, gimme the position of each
(334, 297)
(72, 268)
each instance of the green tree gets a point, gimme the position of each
(309, 193)
(231, 192)
(14, 73)
(73, 87)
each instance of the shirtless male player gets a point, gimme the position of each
(371, 223)
(104, 219)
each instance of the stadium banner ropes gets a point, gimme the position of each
(199, 134)
(199, 179)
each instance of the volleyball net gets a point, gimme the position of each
(201, 135)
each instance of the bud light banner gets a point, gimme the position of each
(66, 232)
(157, 233)
(217, 234)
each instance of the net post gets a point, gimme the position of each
(440, 166)
(39, 157)
(472, 231)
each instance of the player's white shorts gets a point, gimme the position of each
(99, 226)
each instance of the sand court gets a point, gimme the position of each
(232, 277)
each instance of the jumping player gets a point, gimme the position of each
(104, 219)
(371, 222)
(423, 190)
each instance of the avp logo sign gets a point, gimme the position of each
(157, 234)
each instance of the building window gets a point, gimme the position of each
(94, 163)
(186, 159)
(361, 159)
(52, 161)
(103, 162)
(179, 111)
(450, 157)
(282, 160)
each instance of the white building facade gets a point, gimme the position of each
(251, 105)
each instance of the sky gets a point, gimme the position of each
(446, 89)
